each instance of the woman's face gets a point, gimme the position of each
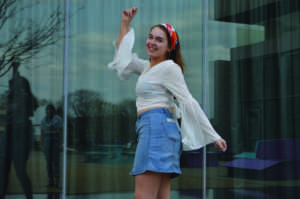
(157, 44)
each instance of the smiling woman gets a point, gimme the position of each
(160, 143)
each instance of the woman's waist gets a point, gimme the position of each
(147, 104)
(165, 110)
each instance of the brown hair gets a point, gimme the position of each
(175, 54)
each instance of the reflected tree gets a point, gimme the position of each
(23, 38)
(95, 121)
(85, 111)
(128, 108)
(85, 103)
(127, 121)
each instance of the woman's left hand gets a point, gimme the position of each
(221, 144)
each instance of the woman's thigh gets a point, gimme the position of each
(165, 187)
(152, 185)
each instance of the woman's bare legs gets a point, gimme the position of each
(152, 185)
(165, 187)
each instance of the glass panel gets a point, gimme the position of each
(31, 71)
(102, 112)
(254, 68)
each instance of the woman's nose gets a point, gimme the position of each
(152, 41)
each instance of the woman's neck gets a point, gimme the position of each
(156, 61)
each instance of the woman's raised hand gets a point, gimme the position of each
(128, 14)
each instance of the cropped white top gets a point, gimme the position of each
(156, 87)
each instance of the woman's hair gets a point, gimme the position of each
(175, 54)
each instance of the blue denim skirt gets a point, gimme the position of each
(159, 143)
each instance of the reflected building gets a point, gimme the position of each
(257, 91)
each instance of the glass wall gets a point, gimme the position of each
(242, 62)
(31, 77)
(256, 97)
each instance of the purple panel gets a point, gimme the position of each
(251, 164)
(194, 159)
(284, 149)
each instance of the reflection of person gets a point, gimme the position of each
(21, 105)
(160, 80)
(51, 132)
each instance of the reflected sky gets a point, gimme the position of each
(95, 25)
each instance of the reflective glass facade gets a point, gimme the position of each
(256, 97)
(242, 62)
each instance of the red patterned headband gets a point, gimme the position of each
(172, 34)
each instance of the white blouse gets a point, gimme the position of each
(156, 87)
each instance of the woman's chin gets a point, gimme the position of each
(150, 53)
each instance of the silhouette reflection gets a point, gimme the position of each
(51, 132)
(21, 105)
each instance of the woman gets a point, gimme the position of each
(160, 80)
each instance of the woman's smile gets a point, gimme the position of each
(152, 48)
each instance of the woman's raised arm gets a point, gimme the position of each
(127, 16)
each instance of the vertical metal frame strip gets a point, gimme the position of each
(66, 89)
(204, 80)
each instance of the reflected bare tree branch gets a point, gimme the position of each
(26, 38)
(85, 103)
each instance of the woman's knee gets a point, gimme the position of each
(138, 194)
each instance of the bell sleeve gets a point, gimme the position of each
(196, 130)
(125, 62)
